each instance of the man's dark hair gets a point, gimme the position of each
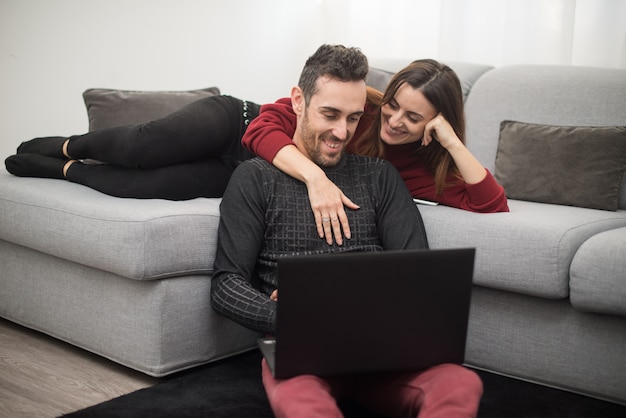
(335, 61)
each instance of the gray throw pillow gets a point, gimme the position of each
(566, 165)
(108, 107)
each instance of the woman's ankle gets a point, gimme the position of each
(67, 166)
(64, 148)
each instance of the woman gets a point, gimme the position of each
(187, 154)
(418, 125)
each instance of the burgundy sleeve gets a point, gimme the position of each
(271, 130)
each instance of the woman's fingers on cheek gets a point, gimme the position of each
(427, 138)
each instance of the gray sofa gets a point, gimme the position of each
(549, 303)
(129, 279)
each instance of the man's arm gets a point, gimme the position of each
(240, 238)
(399, 222)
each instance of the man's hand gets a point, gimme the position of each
(274, 296)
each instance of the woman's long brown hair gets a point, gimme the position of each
(442, 88)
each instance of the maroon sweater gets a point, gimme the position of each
(276, 124)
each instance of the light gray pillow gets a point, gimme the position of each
(108, 107)
(566, 165)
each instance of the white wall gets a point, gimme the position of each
(52, 50)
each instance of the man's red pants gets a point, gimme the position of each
(446, 391)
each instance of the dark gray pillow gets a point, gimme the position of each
(566, 165)
(107, 107)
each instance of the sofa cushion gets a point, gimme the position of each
(598, 274)
(155, 326)
(133, 238)
(543, 94)
(566, 165)
(108, 107)
(527, 250)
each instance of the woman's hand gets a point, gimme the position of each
(440, 130)
(469, 167)
(327, 202)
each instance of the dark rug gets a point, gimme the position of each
(233, 388)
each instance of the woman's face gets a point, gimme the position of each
(404, 118)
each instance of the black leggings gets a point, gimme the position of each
(187, 154)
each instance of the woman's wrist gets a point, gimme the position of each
(313, 175)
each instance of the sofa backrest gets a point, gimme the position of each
(381, 72)
(552, 95)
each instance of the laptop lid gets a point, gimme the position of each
(371, 311)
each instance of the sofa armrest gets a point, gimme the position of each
(598, 272)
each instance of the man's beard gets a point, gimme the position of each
(312, 146)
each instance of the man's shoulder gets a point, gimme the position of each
(376, 169)
(256, 167)
(369, 162)
(256, 163)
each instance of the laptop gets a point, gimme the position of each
(364, 312)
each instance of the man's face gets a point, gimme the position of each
(329, 120)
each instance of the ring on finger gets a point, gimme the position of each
(325, 219)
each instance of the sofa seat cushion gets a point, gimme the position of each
(134, 238)
(598, 274)
(527, 250)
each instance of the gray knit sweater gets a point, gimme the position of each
(265, 214)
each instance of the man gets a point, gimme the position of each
(265, 214)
